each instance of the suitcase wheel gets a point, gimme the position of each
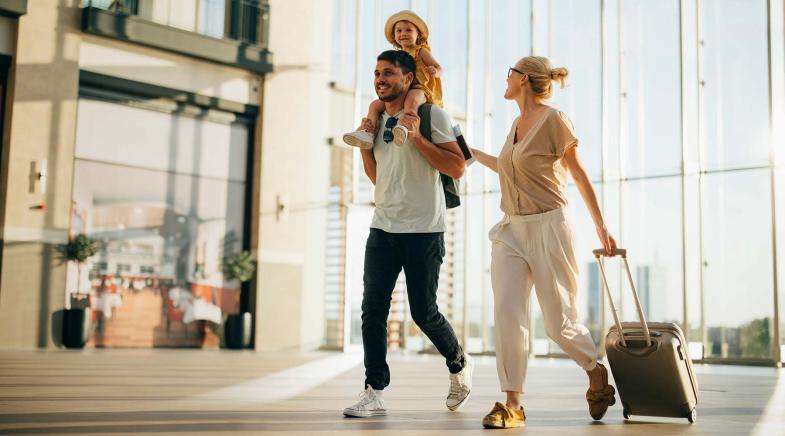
(626, 414)
(692, 416)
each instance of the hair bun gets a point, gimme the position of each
(560, 75)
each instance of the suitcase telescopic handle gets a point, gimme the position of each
(614, 252)
(598, 254)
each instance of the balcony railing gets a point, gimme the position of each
(241, 20)
(244, 23)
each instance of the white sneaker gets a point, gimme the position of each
(460, 385)
(371, 404)
(400, 134)
(360, 139)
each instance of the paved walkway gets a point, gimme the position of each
(219, 392)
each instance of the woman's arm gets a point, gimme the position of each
(486, 159)
(573, 163)
(430, 61)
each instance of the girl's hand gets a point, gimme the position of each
(433, 71)
(607, 241)
(368, 125)
(412, 124)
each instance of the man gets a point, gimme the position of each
(407, 232)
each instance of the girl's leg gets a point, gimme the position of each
(364, 136)
(375, 110)
(414, 99)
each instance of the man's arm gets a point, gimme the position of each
(369, 164)
(445, 157)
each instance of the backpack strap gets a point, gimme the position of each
(451, 193)
(424, 112)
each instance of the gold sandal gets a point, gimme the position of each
(599, 401)
(502, 416)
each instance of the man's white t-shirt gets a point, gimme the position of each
(409, 196)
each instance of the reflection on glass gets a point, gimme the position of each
(165, 221)
(737, 260)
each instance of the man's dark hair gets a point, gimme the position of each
(401, 59)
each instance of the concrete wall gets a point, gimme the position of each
(42, 127)
(295, 166)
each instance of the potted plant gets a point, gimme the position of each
(76, 318)
(239, 266)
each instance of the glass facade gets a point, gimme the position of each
(162, 189)
(674, 105)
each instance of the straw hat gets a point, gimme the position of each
(389, 27)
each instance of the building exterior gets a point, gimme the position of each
(140, 124)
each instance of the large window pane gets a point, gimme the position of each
(651, 223)
(342, 66)
(780, 213)
(651, 80)
(735, 73)
(577, 47)
(611, 103)
(692, 265)
(161, 141)
(690, 82)
(507, 43)
(448, 43)
(737, 251)
(590, 291)
(166, 208)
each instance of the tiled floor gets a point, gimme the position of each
(220, 392)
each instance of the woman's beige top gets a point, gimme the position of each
(532, 175)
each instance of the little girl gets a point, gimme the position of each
(406, 31)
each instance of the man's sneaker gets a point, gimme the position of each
(371, 404)
(360, 139)
(460, 385)
(400, 133)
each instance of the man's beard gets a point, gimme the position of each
(395, 92)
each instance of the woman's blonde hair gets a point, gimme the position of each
(541, 74)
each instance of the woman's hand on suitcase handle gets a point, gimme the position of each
(608, 243)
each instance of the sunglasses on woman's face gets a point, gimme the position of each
(387, 136)
(509, 72)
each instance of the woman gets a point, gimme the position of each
(532, 245)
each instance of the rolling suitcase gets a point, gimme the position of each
(649, 361)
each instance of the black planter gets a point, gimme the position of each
(76, 327)
(237, 331)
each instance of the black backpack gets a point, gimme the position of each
(450, 185)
